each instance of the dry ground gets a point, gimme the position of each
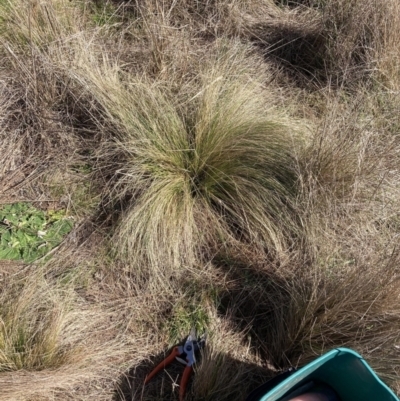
(231, 166)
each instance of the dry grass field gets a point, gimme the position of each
(232, 166)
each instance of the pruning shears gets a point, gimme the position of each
(185, 354)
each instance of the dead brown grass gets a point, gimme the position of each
(44, 339)
(78, 80)
(45, 115)
(331, 42)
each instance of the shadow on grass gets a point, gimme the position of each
(301, 52)
(240, 380)
(285, 320)
(255, 301)
(268, 307)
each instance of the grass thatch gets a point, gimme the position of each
(231, 166)
(44, 335)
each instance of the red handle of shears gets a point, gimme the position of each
(184, 381)
(174, 353)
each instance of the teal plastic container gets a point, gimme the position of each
(342, 369)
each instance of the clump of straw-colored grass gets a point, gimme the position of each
(53, 342)
(195, 174)
(33, 326)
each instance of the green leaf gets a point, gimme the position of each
(6, 235)
(19, 238)
(9, 253)
(36, 222)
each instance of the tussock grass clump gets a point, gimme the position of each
(29, 83)
(342, 153)
(360, 36)
(47, 117)
(349, 171)
(37, 328)
(44, 346)
(193, 175)
(328, 42)
(343, 303)
(297, 312)
(38, 24)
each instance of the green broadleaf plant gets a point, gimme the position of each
(28, 233)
